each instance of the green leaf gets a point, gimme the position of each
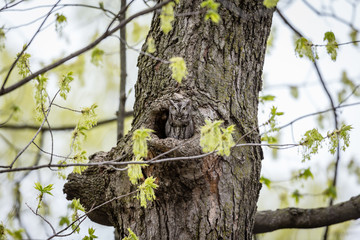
(97, 56)
(311, 142)
(270, 3)
(150, 45)
(134, 171)
(269, 139)
(76, 205)
(64, 84)
(167, 17)
(40, 95)
(139, 138)
(2, 231)
(178, 68)
(91, 236)
(138, 32)
(266, 181)
(2, 40)
(64, 221)
(306, 173)
(146, 191)
(296, 195)
(294, 91)
(330, 192)
(270, 40)
(353, 36)
(210, 135)
(212, 10)
(331, 45)
(266, 98)
(215, 138)
(60, 22)
(303, 47)
(101, 5)
(23, 64)
(339, 135)
(227, 141)
(44, 190)
(131, 236)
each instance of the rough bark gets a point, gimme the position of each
(214, 197)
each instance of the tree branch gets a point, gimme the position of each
(11, 88)
(267, 221)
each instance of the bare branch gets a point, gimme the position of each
(267, 221)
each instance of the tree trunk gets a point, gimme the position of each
(213, 197)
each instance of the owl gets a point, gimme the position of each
(179, 124)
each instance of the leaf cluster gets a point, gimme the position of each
(40, 95)
(304, 47)
(131, 236)
(167, 17)
(97, 56)
(212, 10)
(23, 64)
(178, 68)
(42, 191)
(313, 140)
(331, 45)
(76, 207)
(146, 191)
(64, 84)
(215, 138)
(91, 236)
(270, 3)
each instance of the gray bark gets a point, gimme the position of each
(210, 198)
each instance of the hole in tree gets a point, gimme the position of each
(159, 123)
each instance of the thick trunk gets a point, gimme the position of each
(210, 198)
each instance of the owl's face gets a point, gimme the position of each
(179, 113)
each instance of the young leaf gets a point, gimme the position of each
(91, 236)
(227, 141)
(303, 47)
(2, 38)
(64, 221)
(353, 36)
(270, 3)
(296, 195)
(294, 91)
(134, 171)
(265, 181)
(60, 22)
(311, 142)
(306, 173)
(40, 95)
(266, 98)
(331, 45)
(150, 45)
(338, 135)
(167, 17)
(178, 68)
(210, 135)
(212, 10)
(97, 56)
(146, 191)
(139, 138)
(64, 84)
(330, 192)
(131, 236)
(23, 64)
